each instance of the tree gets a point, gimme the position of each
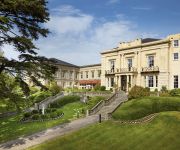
(12, 90)
(21, 23)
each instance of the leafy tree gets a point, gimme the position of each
(12, 89)
(21, 23)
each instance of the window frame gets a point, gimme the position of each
(151, 61)
(150, 81)
(176, 81)
(176, 56)
(176, 44)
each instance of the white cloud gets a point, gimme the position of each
(69, 24)
(79, 38)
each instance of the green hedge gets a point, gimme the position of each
(139, 108)
(175, 92)
(65, 100)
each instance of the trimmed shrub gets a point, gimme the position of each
(175, 92)
(138, 91)
(35, 111)
(65, 100)
(45, 116)
(27, 115)
(36, 117)
(53, 114)
(164, 89)
(103, 88)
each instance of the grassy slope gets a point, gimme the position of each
(139, 108)
(163, 133)
(11, 128)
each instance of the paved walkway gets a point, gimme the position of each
(37, 138)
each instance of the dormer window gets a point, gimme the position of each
(176, 43)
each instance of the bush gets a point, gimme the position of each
(27, 115)
(33, 90)
(40, 96)
(175, 92)
(97, 87)
(103, 88)
(36, 117)
(138, 91)
(53, 114)
(35, 111)
(45, 116)
(54, 88)
(164, 89)
(65, 100)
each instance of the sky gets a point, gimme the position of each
(81, 29)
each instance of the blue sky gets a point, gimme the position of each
(81, 29)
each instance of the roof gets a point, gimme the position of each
(93, 65)
(60, 62)
(147, 40)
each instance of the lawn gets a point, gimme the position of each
(138, 108)
(11, 128)
(163, 133)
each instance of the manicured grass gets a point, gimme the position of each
(94, 100)
(163, 133)
(11, 128)
(138, 108)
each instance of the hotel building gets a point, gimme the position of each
(147, 62)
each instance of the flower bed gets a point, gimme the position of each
(36, 116)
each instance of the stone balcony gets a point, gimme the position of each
(110, 72)
(153, 69)
(127, 70)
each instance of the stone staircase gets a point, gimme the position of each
(106, 110)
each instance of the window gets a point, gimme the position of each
(150, 61)
(129, 81)
(63, 74)
(112, 82)
(108, 82)
(176, 82)
(156, 81)
(176, 56)
(99, 73)
(145, 81)
(76, 75)
(129, 63)
(81, 75)
(150, 81)
(112, 63)
(71, 74)
(176, 43)
(92, 74)
(86, 74)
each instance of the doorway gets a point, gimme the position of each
(124, 83)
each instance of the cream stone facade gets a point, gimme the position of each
(72, 76)
(67, 74)
(148, 62)
(89, 76)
